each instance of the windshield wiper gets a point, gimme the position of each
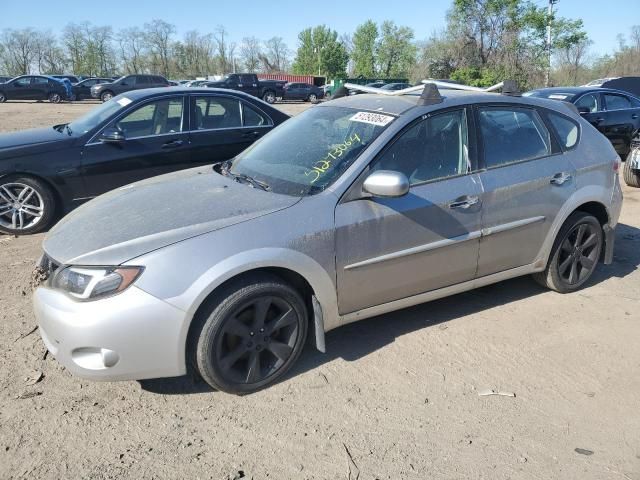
(225, 169)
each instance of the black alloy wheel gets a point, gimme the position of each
(251, 334)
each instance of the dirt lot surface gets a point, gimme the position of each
(395, 397)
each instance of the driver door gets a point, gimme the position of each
(391, 248)
(156, 142)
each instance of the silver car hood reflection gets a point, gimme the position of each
(144, 216)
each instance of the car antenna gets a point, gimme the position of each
(510, 87)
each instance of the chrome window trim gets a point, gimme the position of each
(598, 100)
(617, 95)
(241, 102)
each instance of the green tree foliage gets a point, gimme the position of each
(395, 51)
(320, 53)
(363, 54)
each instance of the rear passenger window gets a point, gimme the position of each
(252, 118)
(432, 149)
(567, 130)
(216, 112)
(511, 135)
(616, 102)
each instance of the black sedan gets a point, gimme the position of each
(133, 136)
(302, 91)
(615, 113)
(33, 87)
(82, 89)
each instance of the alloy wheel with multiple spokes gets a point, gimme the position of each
(21, 206)
(256, 340)
(579, 254)
(249, 334)
(575, 254)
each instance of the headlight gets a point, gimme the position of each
(85, 283)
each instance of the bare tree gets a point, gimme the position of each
(50, 58)
(158, 35)
(250, 51)
(276, 57)
(132, 44)
(19, 50)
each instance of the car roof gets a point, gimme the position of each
(580, 90)
(149, 92)
(399, 104)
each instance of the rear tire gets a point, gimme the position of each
(269, 96)
(249, 334)
(54, 97)
(631, 176)
(3, 97)
(574, 255)
(106, 96)
(27, 205)
(313, 98)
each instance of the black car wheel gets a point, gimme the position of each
(631, 176)
(3, 97)
(106, 96)
(250, 334)
(54, 97)
(269, 97)
(27, 205)
(575, 254)
(313, 98)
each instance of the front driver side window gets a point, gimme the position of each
(154, 118)
(431, 149)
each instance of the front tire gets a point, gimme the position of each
(3, 97)
(54, 97)
(269, 97)
(249, 334)
(27, 205)
(631, 176)
(574, 255)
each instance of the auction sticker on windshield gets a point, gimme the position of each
(372, 118)
(124, 101)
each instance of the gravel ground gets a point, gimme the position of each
(395, 397)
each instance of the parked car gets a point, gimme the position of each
(626, 84)
(106, 91)
(632, 165)
(396, 86)
(302, 91)
(615, 113)
(196, 83)
(357, 207)
(82, 89)
(268, 90)
(134, 136)
(72, 78)
(33, 87)
(375, 84)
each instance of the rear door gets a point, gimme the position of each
(249, 84)
(388, 249)
(526, 181)
(156, 142)
(223, 126)
(621, 119)
(40, 87)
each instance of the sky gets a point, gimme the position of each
(267, 18)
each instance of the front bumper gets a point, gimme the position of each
(130, 336)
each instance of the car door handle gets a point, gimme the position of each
(173, 144)
(599, 120)
(465, 202)
(253, 134)
(560, 178)
(634, 116)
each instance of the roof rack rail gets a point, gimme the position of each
(430, 92)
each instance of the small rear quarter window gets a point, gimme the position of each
(566, 129)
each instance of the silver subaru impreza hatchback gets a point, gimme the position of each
(357, 207)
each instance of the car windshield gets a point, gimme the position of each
(98, 115)
(304, 155)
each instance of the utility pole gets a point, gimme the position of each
(549, 18)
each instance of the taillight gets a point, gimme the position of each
(616, 164)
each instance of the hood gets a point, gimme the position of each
(144, 216)
(32, 141)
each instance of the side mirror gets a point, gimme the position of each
(582, 110)
(112, 135)
(386, 183)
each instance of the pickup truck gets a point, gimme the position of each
(268, 90)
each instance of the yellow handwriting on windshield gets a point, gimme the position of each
(321, 166)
